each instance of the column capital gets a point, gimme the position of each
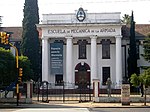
(93, 36)
(118, 36)
(96, 80)
(45, 37)
(69, 37)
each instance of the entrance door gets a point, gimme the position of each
(82, 76)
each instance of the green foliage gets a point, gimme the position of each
(8, 71)
(132, 59)
(24, 63)
(30, 45)
(7, 67)
(135, 80)
(126, 19)
(143, 78)
(146, 47)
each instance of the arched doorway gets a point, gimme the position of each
(82, 74)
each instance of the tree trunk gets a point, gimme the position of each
(144, 95)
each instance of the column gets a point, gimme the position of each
(93, 58)
(45, 59)
(118, 60)
(29, 92)
(28, 89)
(69, 70)
(96, 90)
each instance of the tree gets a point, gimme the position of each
(135, 80)
(146, 47)
(7, 67)
(126, 19)
(142, 79)
(132, 59)
(8, 71)
(30, 44)
(24, 63)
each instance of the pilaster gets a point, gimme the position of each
(45, 59)
(118, 60)
(93, 57)
(69, 70)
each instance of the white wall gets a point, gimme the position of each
(109, 17)
(108, 21)
(101, 62)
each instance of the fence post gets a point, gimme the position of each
(63, 91)
(96, 90)
(28, 89)
(29, 92)
(38, 90)
(144, 95)
(125, 94)
(89, 91)
(47, 92)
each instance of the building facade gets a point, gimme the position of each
(81, 46)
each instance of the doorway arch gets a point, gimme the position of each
(82, 73)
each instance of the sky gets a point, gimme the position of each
(12, 10)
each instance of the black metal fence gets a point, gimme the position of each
(10, 91)
(46, 92)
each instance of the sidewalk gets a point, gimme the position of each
(101, 105)
(74, 105)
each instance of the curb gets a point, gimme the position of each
(77, 105)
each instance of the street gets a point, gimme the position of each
(77, 110)
(120, 110)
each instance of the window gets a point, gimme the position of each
(106, 74)
(58, 79)
(82, 49)
(105, 49)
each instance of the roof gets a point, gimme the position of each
(16, 32)
(141, 31)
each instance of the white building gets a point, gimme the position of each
(79, 47)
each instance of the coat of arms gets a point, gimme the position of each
(81, 14)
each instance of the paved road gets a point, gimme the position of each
(74, 107)
(48, 110)
(77, 110)
(120, 110)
